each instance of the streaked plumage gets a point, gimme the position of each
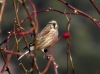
(45, 38)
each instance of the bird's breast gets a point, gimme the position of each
(46, 40)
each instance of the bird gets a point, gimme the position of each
(45, 38)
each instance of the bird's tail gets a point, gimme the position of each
(31, 49)
(23, 55)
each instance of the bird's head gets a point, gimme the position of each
(52, 24)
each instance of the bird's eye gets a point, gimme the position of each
(54, 25)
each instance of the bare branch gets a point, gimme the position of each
(98, 10)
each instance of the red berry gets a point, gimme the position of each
(66, 35)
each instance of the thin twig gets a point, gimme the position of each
(98, 10)
(2, 54)
(26, 8)
(33, 25)
(2, 9)
(51, 55)
(9, 55)
(23, 66)
(17, 18)
(68, 43)
(47, 66)
(77, 11)
(35, 15)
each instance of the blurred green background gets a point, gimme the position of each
(85, 44)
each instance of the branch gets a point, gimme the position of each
(77, 11)
(2, 8)
(98, 10)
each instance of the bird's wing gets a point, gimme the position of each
(44, 32)
(42, 37)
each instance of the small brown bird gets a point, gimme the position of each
(45, 38)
